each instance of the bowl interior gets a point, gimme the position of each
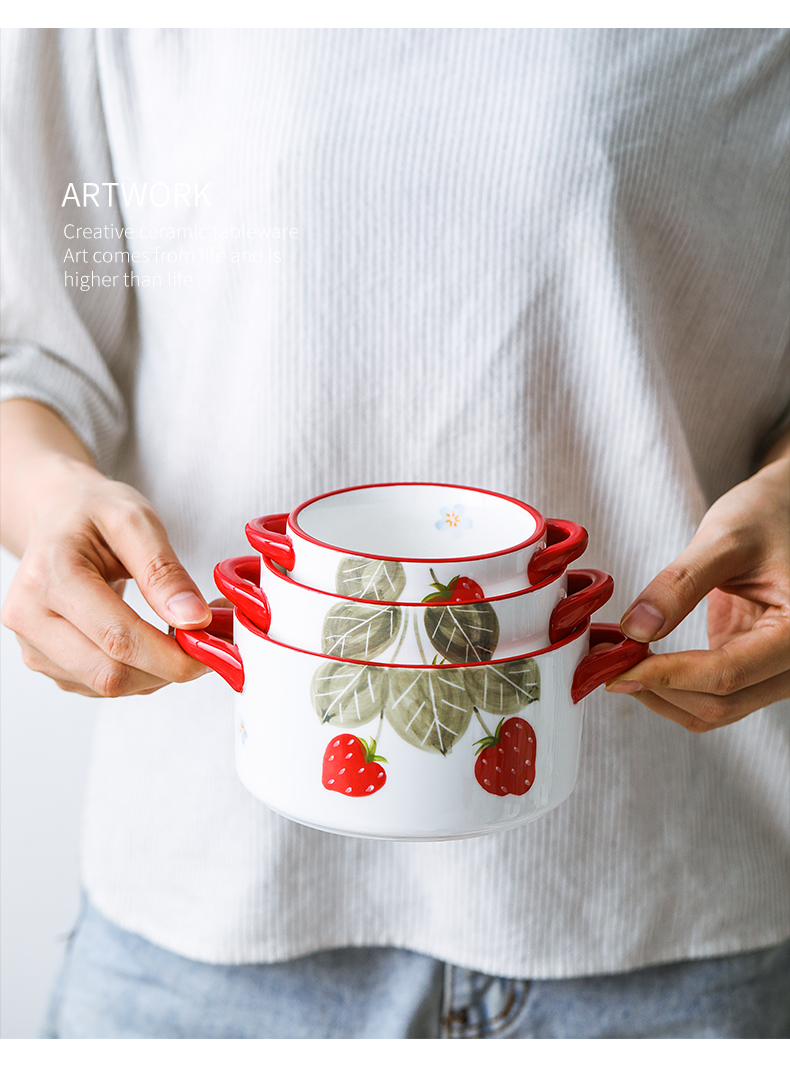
(418, 521)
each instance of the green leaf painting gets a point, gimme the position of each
(352, 630)
(505, 688)
(348, 695)
(429, 708)
(463, 632)
(364, 578)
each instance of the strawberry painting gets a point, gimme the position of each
(505, 764)
(352, 767)
(429, 707)
(460, 589)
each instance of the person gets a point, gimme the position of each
(549, 263)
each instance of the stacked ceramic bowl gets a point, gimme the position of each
(411, 659)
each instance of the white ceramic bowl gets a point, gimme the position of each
(468, 749)
(408, 633)
(389, 542)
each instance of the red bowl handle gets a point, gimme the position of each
(596, 669)
(268, 535)
(239, 580)
(214, 647)
(588, 591)
(566, 541)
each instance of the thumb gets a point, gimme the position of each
(187, 608)
(146, 554)
(707, 562)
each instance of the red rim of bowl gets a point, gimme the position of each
(538, 518)
(272, 567)
(575, 635)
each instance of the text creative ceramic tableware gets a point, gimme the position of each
(408, 752)
(390, 542)
(450, 624)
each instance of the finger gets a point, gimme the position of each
(671, 712)
(113, 627)
(139, 541)
(39, 663)
(67, 683)
(75, 664)
(215, 604)
(701, 713)
(707, 562)
(748, 659)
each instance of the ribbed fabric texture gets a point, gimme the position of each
(549, 263)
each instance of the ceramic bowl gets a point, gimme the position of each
(404, 633)
(407, 752)
(391, 542)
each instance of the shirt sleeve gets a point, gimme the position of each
(66, 343)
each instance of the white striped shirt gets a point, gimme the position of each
(549, 263)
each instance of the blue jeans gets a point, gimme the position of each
(116, 985)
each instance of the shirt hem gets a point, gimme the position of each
(538, 969)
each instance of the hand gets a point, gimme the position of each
(740, 559)
(80, 537)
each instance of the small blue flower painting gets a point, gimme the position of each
(453, 520)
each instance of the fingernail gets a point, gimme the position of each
(624, 687)
(186, 609)
(642, 622)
